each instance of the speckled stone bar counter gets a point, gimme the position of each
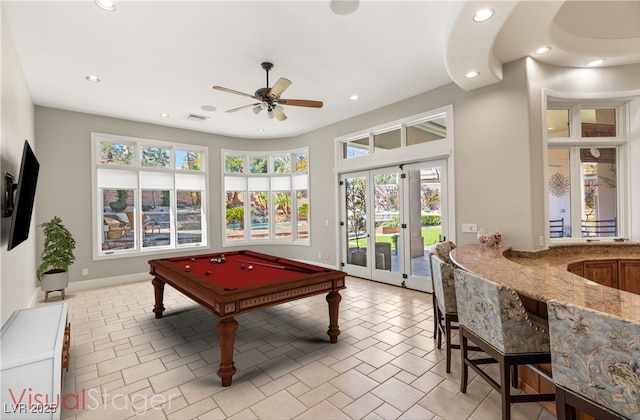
(543, 275)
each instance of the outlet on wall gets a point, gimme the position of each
(85, 271)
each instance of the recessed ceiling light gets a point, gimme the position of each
(93, 79)
(261, 130)
(344, 7)
(471, 74)
(542, 50)
(209, 108)
(354, 97)
(596, 62)
(482, 15)
(164, 115)
(107, 5)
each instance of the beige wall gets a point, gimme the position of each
(17, 267)
(498, 175)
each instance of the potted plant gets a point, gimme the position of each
(57, 256)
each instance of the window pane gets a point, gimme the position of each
(234, 215)
(598, 122)
(302, 214)
(558, 123)
(188, 160)
(259, 215)
(302, 162)
(559, 193)
(599, 209)
(282, 164)
(426, 131)
(259, 165)
(356, 147)
(189, 218)
(234, 164)
(387, 140)
(116, 154)
(156, 218)
(117, 218)
(155, 157)
(282, 205)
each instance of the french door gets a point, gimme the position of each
(389, 216)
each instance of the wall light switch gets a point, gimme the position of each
(470, 227)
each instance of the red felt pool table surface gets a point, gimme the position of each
(243, 269)
(228, 290)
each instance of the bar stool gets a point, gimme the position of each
(595, 359)
(494, 318)
(442, 250)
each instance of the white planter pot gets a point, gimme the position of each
(54, 281)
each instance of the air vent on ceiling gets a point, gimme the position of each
(196, 117)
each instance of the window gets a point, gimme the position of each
(396, 135)
(586, 144)
(148, 196)
(274, 193)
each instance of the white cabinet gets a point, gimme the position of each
(34, 347)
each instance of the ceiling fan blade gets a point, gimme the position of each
(224, 89)
(240, 108)
(280, 116)
(281, 85)
(301, 102)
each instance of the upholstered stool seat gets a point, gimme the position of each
(442, 250)
(494, 318)
(595, 359)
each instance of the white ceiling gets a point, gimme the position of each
(156, 57)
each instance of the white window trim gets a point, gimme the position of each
(97, 225)
(270, 155)
(627, 141)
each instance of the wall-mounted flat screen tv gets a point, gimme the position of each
(24, 197)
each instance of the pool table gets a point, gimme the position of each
(232, 283)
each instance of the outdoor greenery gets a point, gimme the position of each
(59, 244)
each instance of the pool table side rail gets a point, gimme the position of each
(229, 303)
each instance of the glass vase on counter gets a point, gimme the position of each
(489, 238)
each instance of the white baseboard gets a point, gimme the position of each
(108, 281)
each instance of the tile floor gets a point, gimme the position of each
(127, 364)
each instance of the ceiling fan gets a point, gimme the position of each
(269, 97)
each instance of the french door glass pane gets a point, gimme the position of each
(559, 192)
(356, 211)
(425, 214)
(387, 218)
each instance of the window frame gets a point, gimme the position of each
(270, 175)
(139, 171)
(574, 142)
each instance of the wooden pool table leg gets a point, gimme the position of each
(227, 331)
(333, 298)
(158, 288)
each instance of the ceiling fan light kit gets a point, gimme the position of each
(269, 98)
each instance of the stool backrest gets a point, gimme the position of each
(444, 285)
(597, 356)
(496, 314)
(442, 250)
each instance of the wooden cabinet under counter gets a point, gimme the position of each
(619, 274)
(629, 276)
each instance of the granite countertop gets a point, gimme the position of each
(543, 275)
